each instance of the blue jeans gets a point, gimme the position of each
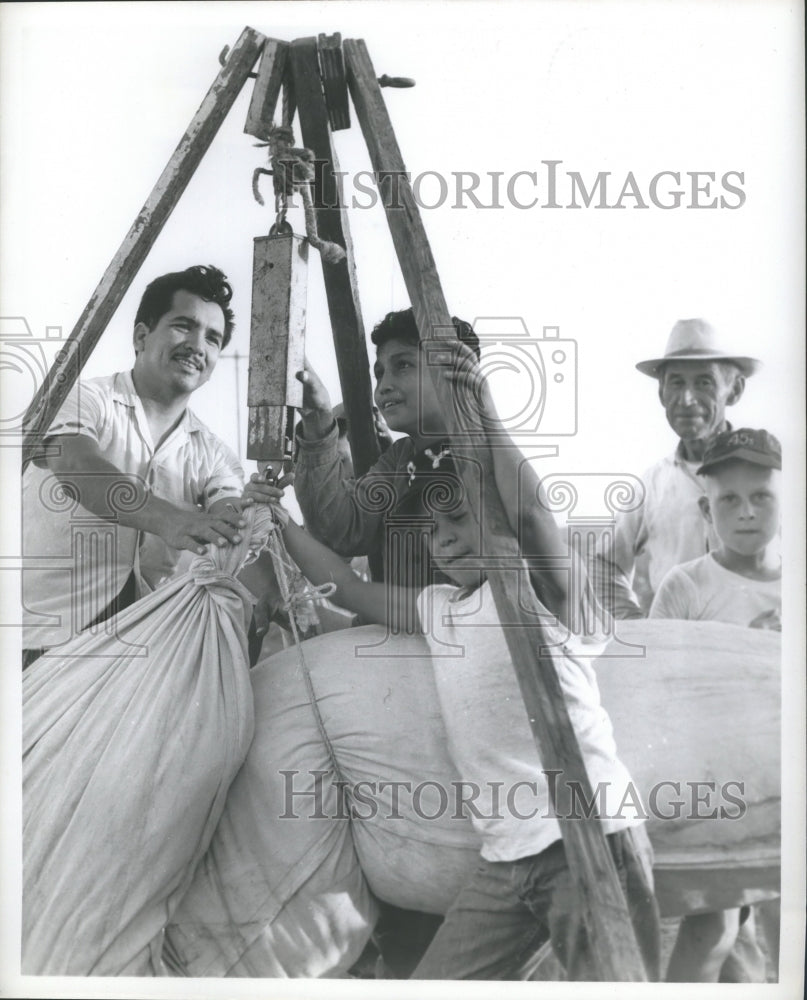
(510, 909)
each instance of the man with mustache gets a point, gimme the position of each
(697, 380)
(125, 448)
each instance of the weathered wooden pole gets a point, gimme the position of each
(140, 239)
(612, 939)
(269, 80)
(341, 287)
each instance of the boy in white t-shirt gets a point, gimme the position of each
(739, 582)
(522, 894)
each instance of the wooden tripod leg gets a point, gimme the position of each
(267, 88)
(341, 287)
(140, 239)
(611, 934)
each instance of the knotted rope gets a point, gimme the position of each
(298, 595)
(213, 579)
(293, 170)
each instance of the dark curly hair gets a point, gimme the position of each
(209, 283)
(401, 326)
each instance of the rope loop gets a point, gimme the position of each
(298, 596)
(294, 169)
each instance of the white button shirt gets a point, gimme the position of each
(489, 736)
(665, 530)
(76, 563)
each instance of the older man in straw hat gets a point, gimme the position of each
(697, 379)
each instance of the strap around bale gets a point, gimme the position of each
(297, 592)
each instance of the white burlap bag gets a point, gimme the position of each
(126, 765)
(696, 715)
(279, 892)
(697, 721)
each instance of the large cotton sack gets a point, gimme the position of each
(378, 704)
(688, 709)
(126, 765)
(698, 716)
(281, 891)
(700, 704)
(277, 896)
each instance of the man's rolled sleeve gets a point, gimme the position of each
(83, 412)
(226, 478)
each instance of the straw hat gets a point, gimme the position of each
(696, 340)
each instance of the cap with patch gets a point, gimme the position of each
(759, 447)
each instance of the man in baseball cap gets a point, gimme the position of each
(698, 377)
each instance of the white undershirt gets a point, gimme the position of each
(489, 736)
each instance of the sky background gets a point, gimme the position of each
(95, 98)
